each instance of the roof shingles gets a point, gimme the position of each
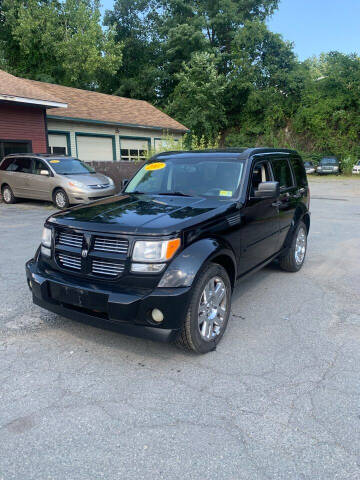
(94, 106)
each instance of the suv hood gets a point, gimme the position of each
(88, 178)
(141, 214)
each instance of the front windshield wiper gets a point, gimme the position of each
(136, 192)
(178, 194)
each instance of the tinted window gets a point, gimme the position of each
(282, 173)
(299, 171)
(21, 165)
(260, 174)
(38, 165)
(329, 161)
(6, 163)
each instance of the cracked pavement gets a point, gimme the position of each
(278, 399)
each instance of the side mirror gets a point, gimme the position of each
(268, 190)
(46, 173)
(125, 182)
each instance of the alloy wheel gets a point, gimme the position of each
(212, 309)
(60, 200)
(7, 195)
(300, 246)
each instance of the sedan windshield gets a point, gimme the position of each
(197, 176)
(70, 166)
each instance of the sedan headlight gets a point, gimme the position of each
(46, 237)
(155, 251)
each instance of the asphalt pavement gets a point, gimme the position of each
(278, 399)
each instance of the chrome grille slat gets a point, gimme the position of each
(70, 262)
(107, 268)
(113, 245)
(70, 239)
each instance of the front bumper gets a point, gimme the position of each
(78, 196)
(127, 310)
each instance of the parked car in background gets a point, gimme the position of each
(162, 258)
(309, 168)
(328, 165)
(356, 168)
(63, 180)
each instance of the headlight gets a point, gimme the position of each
(75, 183)
(155, 251)
(319, 168)
(336, 168)
(46, 237)
(111, 181)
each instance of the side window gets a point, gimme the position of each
(6, 164)
(21, 165)
(260, 173)
(38, 165)
(282, 173)
(299, 171)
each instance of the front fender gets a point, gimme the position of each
(184, 268)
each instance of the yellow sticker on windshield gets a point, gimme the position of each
(226, 193)
(54, 161)
(155, 166)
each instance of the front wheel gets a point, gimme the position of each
(294, 258)
(60, 199)
(209, 311)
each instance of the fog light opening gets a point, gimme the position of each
(157, 315)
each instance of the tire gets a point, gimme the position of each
(193, 333)
(7, 195)
(60, 199)
(294, 258)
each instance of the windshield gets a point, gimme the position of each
(203, 176)
(70, 166)
(332, 161)
(308, 164)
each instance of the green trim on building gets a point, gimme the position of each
(68, 138)
(117, 124)
(104, 135)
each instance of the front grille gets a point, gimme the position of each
(69, 261)
(90, 254)
(111, 245)
(70, 239)
(100, 186)
(107, 268)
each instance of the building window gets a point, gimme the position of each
(133, 155)
(58, 150)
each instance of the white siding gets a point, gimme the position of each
(118, 132)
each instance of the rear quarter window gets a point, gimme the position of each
(6, 163)
(299, 171)
(282, 173)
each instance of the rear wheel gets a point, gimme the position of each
(209, 311)
(294, 258)
(61, 200)
(7, 194)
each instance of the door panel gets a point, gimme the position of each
(40, 186)
(287, 202)
(260, 223)
(18, 174)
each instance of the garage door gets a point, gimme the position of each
(98, 149)
(133, 149)
(58, 144)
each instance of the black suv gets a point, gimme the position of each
(164, 255)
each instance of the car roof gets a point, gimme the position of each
(41, 155)
(236, 153)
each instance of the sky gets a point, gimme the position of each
(314, 26)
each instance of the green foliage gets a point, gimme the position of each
(187, 142)
(200, 84)
(60, 41)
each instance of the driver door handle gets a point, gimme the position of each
(276, 204)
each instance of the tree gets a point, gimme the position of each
(197, 98)
(59, 41)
